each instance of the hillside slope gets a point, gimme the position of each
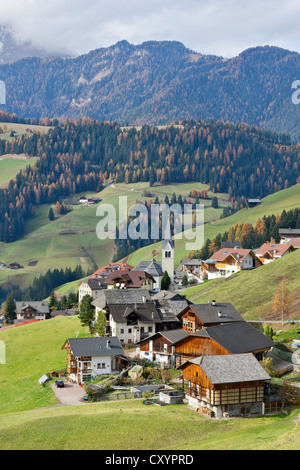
(252, 292)
(274, 204)
(157, 83)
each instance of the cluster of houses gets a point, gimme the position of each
(216, 350)
(232, 258)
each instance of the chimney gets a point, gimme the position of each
(144, 299)
(108, 346)
(213, 302)
(220, 314)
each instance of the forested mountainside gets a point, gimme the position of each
(77, 156)
(158, 83)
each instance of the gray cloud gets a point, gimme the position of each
(222, 27)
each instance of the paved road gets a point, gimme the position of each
(70, 395)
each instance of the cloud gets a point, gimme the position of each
(222, 27)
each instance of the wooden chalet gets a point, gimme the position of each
(173, 348)
(230, 386)
(196, 317)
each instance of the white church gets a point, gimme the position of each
(157, 269)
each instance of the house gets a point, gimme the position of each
(160, 347)
(129, 280)
(63, 313)
(91, 287)
(253, 202)
(226, 338)
(131, 314)
(290, 235)
(32, 311)
(190, 265)
(14, 266)
(228, 261)
(172, 302)
(154, 268)
(110, 268)
(269, 252)
(191, 268)
(230, 386)
(197, 316)
(173, 348)
(88, 358)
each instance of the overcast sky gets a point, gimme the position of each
(222, 27)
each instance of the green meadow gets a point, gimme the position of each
(252, 292)
(71, 239)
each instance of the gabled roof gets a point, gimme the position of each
(40, 307)
(276, 250)
(96, 284)
(122, 297)
(145, 312)
(237, 253)
(111, 268)
(218, 313)
(173, 336)
(191, 262)
(96, 346)
(230, 369)
(239, 337)
(289, 231)
(133, 279)
(152, 267)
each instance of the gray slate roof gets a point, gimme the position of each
(97, 284)
(150, 267)
(239, 337)
(231, 368)
(208, 313)
(96, 346)
(146, 312)
(40, 307)
(121, 296)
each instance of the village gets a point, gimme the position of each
(204, 355)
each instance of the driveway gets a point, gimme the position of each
(70, 395)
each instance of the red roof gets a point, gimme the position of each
(129, 278)
(276, 250)
(237, 253)
(112, 267)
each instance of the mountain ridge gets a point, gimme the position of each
(158, 83)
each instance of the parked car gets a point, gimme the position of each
(59, 384)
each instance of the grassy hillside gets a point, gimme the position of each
(252, 292)
(32, 351)
(273, 204)
(10, 167)
(71, 239)
(20, 129)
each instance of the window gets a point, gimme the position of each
(101, 365)
(150, 329)
(129, 330)
(122, 331)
